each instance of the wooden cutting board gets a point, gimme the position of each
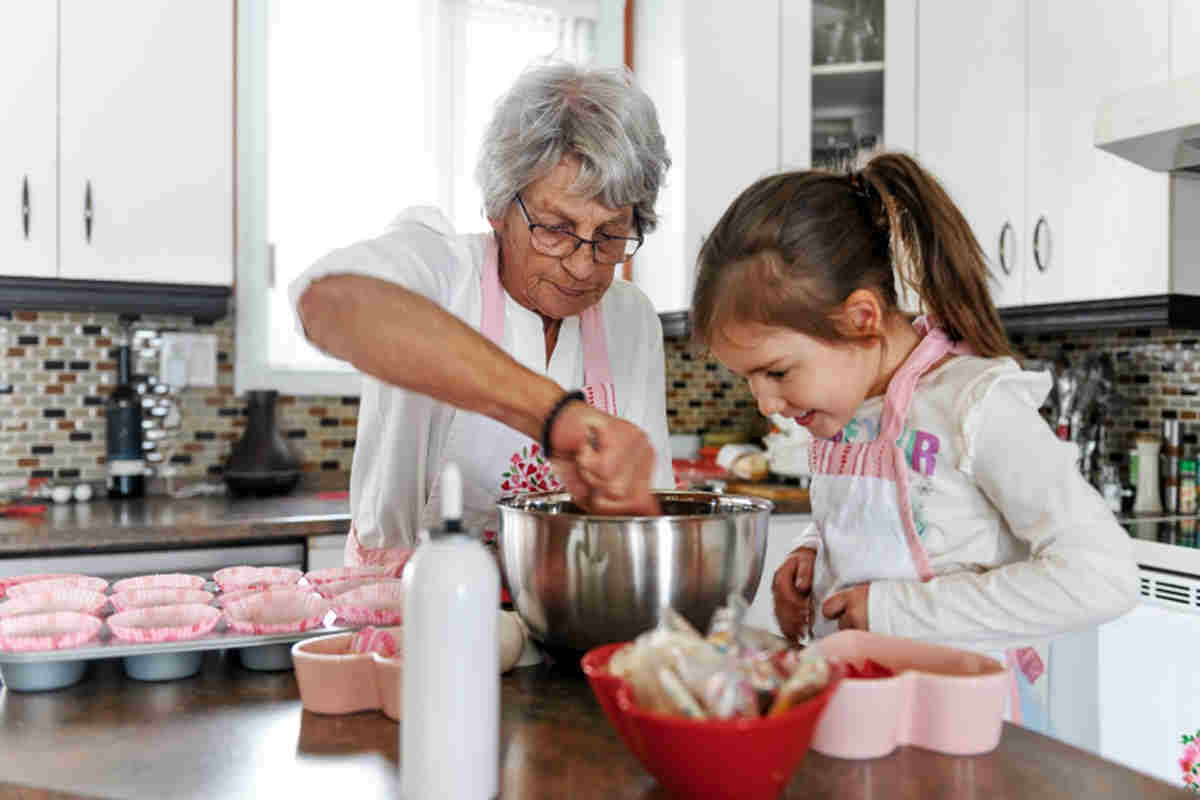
(787, 499)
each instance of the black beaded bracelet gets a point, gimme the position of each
(555, 410)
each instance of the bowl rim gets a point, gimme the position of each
(624, 700)
(753, 505)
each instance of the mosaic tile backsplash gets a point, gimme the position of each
(1158, 373)
(60, 367)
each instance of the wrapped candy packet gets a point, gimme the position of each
(734, 672)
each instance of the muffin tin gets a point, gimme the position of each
(179, 657)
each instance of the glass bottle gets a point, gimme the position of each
(123, 434)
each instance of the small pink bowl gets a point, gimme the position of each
(148, 598)
(164, 623)
(374, 604)
(277, 612)
(232, 578)
(55, 583)
(55, 631)
(333, 680)
(174, 580)
(940, 698)
(334, 574)
(334, 588)
(59, 599)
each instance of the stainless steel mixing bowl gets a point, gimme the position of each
(580, 580)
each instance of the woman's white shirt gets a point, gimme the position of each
(401, 434)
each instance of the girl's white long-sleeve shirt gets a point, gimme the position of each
(1022, 548)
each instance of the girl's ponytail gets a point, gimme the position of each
(933, 249)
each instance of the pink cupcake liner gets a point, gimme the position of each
(149, 598)
(331, 590)
(374, 640)
(335, 574)
(225, 598)
(232, 578)
(57, 583)
(9, 586)
(56, 631)
(374, 604)
(172, 580)
(164, 623)
(277, 612)
(56, 599)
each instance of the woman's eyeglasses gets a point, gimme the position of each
(554, 240)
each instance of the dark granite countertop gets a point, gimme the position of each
(229, 732)
(158, 522)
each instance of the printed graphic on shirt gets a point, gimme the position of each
(920, 449)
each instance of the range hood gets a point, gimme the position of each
(1157, 126)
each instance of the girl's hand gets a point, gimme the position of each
(848, 607)
(605, 462)
(792, 589)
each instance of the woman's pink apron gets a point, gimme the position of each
(495, 460)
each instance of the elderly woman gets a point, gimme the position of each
(470, 342)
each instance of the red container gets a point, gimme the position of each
(747, 759)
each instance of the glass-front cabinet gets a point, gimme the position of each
(858, 81)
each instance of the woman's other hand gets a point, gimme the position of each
(792, 590)
(849, 607)
(605, 462)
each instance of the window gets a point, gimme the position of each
(349, 112)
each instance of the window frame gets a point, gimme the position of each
(254, 282)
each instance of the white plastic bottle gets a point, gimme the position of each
(450, 729)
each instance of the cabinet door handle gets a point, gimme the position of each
(1005, 230)
(25, 206)
(1042, 265)
(88, 213)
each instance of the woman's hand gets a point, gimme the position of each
(605, 462)
(849, 607)
(792, 590)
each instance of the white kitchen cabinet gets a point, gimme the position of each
(325, 552)
(143, 95)
(1149, 688)
(736, 93)
(971, 125)
(28, 190)
(781, 532)
(1007, 101)
(1185, 38)
(1101, 222)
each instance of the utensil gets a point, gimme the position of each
(580, 580)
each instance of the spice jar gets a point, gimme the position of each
(1148, 498)
(1187, 486)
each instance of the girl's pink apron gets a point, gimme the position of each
(495, 460)
(860, 498)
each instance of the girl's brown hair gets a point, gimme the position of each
(793, 246)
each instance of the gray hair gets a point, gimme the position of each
(600, 116)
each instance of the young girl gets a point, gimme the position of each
(943, 506)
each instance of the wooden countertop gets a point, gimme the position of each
(158, 522)
(229, 732)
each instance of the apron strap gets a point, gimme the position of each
(492, 324)
(933, 346)
(597, 371)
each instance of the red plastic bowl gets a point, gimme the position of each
(747, 759)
